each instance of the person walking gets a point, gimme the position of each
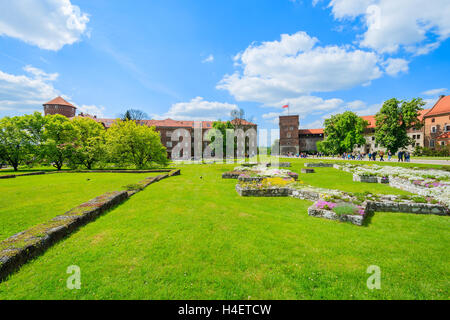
(381, 155)
(400, 156)
(370, 156)
(389, 155)
(374, 156)
(407, 156)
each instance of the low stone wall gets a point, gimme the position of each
(308, 171)
(231, 174)
(370, 179)
(10, 176)
(20, 248)
(366, 179)
(305, 194)
(24, 246)
(319, 165)
(331, 215)
(407, 207)
(268, 192)
(284, 164)
(405, 185)
(250, 179)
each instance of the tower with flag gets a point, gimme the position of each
(286, 106)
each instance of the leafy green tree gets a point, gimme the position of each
(129, 142)
(222, 127)
(89, 147)
(393, 121)
(15, 141)
(342, 132)
(59, 137)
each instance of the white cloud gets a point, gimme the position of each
(93, 110)
(395, 66)
(419, 26)
(25, 93)
(48, 24)
(208, 59)
(306, 106)
(434, 92)
(313, 125)
(295, 66)
(198, 109)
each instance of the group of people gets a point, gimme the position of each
(403, 156)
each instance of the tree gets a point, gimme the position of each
(129, 142)
(59, 136)
(342, 132)
(237, 118)
(89, 147)
(135, 115)
(222, 127)
(15, 141)
(393, 121)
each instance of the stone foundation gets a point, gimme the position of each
(319, 165)
(268, 192)
(366, 179)
(331, 215)
(308, 171)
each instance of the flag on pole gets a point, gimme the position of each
(285, 106)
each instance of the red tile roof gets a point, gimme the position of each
(60, 101)
(442, 106)
(444, 136)
(371, 120)
(168, 123)
(310, 131)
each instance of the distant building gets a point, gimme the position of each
(295, 140)
(59, 106)
(164, 127)
(437, 124)
(434, 134)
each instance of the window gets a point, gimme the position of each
(414, 136)
(442, 143)
(291, 128)
(289, 135)
(418, 136)
(169, 134)
(417, 144)
(433, 120)
(373, 138)
(433, 129)
(431, 143)
(447, 127)
(169, 144)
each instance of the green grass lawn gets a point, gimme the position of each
(192, 238)
(27, 201)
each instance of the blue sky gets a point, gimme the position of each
(201, 59)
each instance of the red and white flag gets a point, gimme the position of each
(285, 106)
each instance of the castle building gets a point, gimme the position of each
(60, 106)
(437, 124)
(164, 127)
(434, 134)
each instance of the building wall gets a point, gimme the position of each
(309, 142)
(289, 139)
(440, 124)
(58, 109)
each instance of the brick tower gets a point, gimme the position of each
(60, 106)
(289, 141)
